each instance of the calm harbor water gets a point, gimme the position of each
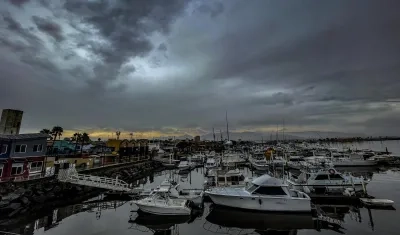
(115, 217)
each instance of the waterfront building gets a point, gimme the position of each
(113, 144)
(22, 156)
(10, 122)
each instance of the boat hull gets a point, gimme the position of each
(169, 165)
(163, 210)
(184, 168)
(339, 187)
(355, 163)
(257, 203)
(260, 167)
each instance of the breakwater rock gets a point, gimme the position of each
(18, 198)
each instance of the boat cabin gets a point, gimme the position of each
(211, 163)
(270, 186)
(226, 178)
(321, 176)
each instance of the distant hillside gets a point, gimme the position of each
(266, 136)
(325, 134)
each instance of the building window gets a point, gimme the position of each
(37, 148)
(3, 149)
(20, 148)
(17, 168)
(35, 167)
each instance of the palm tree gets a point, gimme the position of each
(118, 133)
(77, 137)
(84, 139)
(57, 131)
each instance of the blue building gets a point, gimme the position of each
(22, 155)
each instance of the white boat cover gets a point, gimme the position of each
(266, 180)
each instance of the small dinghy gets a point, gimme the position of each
(162, 204)
(377, 202)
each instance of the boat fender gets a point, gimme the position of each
(260, 201)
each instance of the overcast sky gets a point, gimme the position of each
(176, 66)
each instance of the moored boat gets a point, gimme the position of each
(162, 204)
(326, 180)
(265, 193)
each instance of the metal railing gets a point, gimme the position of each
(71, 175)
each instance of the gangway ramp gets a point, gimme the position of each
(69, 174)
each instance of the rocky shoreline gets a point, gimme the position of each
(19, 198)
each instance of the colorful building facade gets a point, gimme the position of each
(22, 156)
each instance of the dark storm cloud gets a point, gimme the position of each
(125, 25)
(177, 66)
(18, 3)
(11, 23)
(340, 46)
(48, 27)
(213, 8)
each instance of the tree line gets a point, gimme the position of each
(57, 132)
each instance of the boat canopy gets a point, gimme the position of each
(267, 180)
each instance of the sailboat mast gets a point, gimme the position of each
(213, 134)
(227, 126)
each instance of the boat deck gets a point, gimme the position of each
(229, 191)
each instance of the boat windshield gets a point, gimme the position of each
(251, 188)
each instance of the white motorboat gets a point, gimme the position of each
(174, 190)
(295, 162)
(259, 162)
(351, 160)
(224, 178)
(184, 165)
(198, 158)
(277, 161)
(329, 180)
(232, 160)
(162, 204)
(171, 163)
(211, 163)
(265, 193)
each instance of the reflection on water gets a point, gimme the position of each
(229, 221)
(116, 217)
